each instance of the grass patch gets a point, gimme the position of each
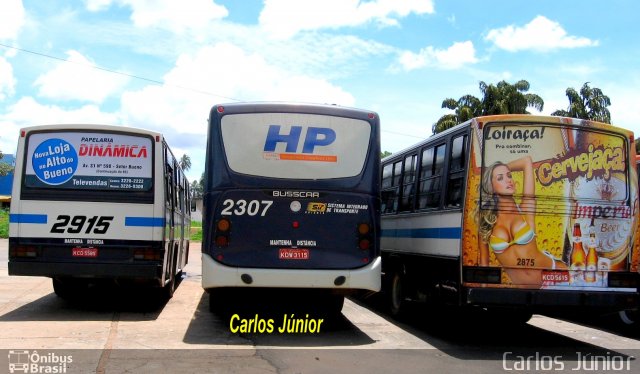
(196, 231)
(4, 223)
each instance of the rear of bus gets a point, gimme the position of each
(571, 243)
(291, 198)
(83, 206)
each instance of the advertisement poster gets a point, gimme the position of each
(552, 205)
(89, 161)
(295, 146)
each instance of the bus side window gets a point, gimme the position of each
(457, 164)
(408, 180)
(430, 177)
(391, 174)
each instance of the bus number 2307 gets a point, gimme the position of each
(242, 207)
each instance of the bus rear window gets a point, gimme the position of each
(295, 146)
(87, 161)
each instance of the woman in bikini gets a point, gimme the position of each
(509, 229)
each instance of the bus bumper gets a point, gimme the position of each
(215, 274)
(84, 270)
(615, 300)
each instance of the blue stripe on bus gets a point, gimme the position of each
(28, 218)
(426, 233)
(144, 221)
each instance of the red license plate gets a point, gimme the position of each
(293, 254)
(84, 252)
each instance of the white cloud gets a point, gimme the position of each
(173, 15)
(225, 70)
(28, 112)
(285, 18)
(12, 17)
(454, 57)
(541, 34)
(7, 81)
(77, 80)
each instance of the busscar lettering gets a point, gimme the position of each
(297, 194)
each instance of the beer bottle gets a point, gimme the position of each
(577, 252)
(592, 257)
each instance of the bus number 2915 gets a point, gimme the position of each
(242, 207)
(75, 224)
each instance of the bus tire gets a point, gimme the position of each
(169, 289)
(66, 288)
(397, 296)
(628, 317)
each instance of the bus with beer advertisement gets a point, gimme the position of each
(513, 213)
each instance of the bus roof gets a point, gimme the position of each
(97, 127)
(290, 107)
(517, 118)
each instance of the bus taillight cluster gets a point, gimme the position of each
(364, 236)
(223, 227)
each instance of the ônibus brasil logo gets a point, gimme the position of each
(314, 137)
(24, 361)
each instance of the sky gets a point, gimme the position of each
(162, 64)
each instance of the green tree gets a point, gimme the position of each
(589, 103)
(465, 108)
(5, 169)
(185, 162)
(502, 98)
(385, 154)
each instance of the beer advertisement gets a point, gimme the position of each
(552, 205)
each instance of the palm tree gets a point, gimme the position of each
(589, 103)
(185, 162)
(465, 108)
(503, 98)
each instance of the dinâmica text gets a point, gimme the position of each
(291, 324)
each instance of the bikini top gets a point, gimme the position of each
(524, 235)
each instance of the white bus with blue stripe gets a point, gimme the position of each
(95, 203)
(516, 213)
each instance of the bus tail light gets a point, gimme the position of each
(23, 251)
(147, 254)
(223, 227)
(364, 237)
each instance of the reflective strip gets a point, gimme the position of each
(28, 218)
(426, 233)
(144, 221)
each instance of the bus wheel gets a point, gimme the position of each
(168, 290)
(66, 288)
(397, 302)
(628, 317)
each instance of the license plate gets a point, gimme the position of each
(294, 254)
(84, 252)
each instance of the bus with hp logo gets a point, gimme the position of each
(98, 203)
(291, 201)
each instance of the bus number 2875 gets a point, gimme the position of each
(75, 224)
